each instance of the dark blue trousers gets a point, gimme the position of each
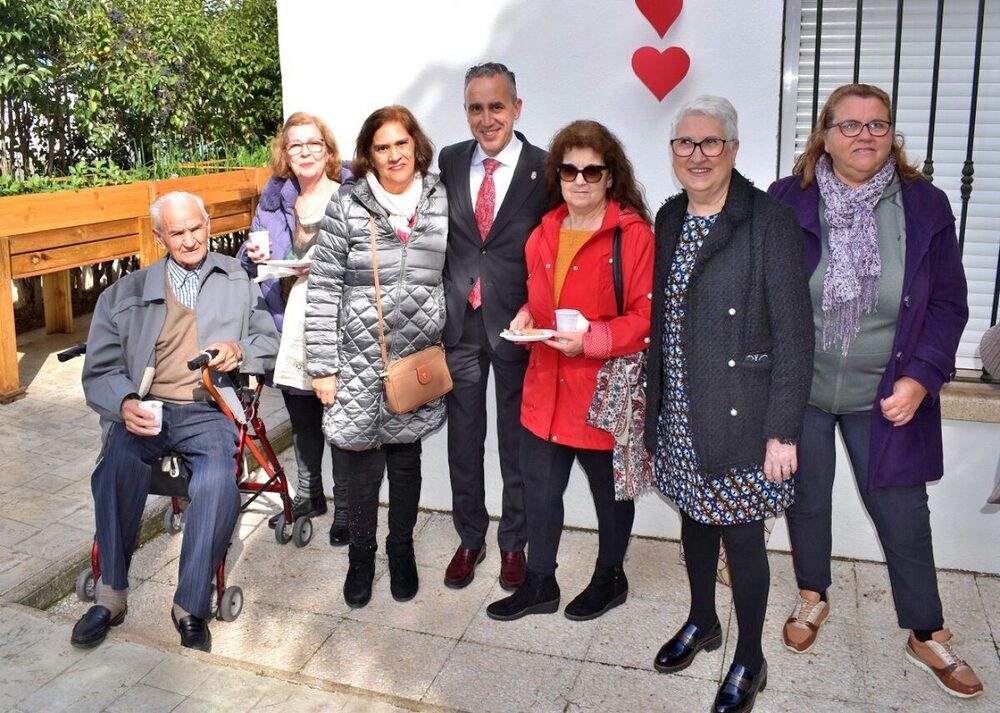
(206, 440)
(900, 515)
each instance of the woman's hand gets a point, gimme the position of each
(255, 253)
(780, 460)
(325, 388)
(522, 320)
(907, 395)
(569, 343)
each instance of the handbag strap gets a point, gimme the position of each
(378, 295)
(616, 270)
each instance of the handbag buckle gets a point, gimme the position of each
(424, 375)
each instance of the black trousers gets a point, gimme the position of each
(469, 362)
(751, 579)
(305, 412)
(365, 469)
(900, 515)
(546, 467)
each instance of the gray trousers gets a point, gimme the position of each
(206, 440)
(900, 515)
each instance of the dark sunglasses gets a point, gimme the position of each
(591, 174)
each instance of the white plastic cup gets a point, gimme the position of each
(155, 408)
(261, 240)
(569, 320)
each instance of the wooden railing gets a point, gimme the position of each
(49, 234)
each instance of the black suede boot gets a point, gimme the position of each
(339, 533)
(607, 589)
(360, 575)
(538, 595)
(403, 580)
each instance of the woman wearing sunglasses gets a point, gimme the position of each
(595, 195)
(730, 359)
(889, 306)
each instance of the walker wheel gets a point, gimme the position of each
(173, 522)
(86, 589)
(302, 531)
(282, 531)
(232, 604)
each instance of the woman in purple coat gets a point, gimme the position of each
(307, 172)
(889, 306)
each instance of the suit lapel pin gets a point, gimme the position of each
(534, 175)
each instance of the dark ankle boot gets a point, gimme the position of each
(360, 575)
(538, 595)
(339, 534)
(403, 580)
(607, 589)
(313, 507)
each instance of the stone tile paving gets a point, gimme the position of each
(297, 646)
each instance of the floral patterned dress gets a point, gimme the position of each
(742, 494)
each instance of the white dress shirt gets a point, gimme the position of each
(501, 177)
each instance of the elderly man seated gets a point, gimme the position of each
(145, 328)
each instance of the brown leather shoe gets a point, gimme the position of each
(938, 658)
(462, 568)
(512, 570)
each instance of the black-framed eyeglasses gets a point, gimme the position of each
(314, 147)
(711, 146)
(853, 127)
(591, 173)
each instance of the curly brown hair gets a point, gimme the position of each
(586, 134)
(279, 157)
(423, 149)
(816, 144)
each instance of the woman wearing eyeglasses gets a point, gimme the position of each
(307, 172)
(730, 357)
(595, 195)
(401, 207)
(889, 306)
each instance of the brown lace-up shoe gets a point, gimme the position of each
(803, 625)
(937, 657)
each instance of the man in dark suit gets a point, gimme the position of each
(496, 197)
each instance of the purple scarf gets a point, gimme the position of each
(850, 285)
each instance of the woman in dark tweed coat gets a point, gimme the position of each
(730, 359)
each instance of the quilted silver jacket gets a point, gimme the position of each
(342, 322)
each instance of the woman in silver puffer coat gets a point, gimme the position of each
(410, 213)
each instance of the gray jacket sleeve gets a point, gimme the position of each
(326, 286)
(106, 381)
(260, 344)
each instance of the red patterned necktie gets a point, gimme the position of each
(485, 205)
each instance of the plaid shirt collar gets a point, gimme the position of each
(184, 282)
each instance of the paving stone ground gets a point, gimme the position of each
(297, 646)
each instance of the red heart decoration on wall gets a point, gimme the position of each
(660, 13)
(660, 71)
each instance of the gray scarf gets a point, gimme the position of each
(850, 285)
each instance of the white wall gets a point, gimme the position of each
(572, 61)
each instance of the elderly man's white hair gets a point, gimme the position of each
(708, 105)
(173, 199)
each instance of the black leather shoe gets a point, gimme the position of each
(538, 595)
(339, 534)
(678, 653)
(93, 626)
(403, 579)
(607, 589)
(313, 507)
(739, 689)
(194, 632)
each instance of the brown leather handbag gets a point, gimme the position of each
(417, 378)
